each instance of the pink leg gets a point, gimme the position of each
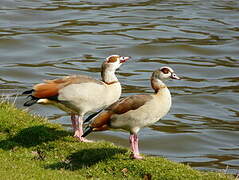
(134, 141)
(79, 129)
(73, 121)
(131, 140)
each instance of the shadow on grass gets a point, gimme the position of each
(33, 136)
(86, 158)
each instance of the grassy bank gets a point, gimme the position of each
(32, 148)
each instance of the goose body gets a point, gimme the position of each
(135, 112)
(146, 114)
(92, 96)
(80, 94)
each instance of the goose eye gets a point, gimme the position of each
(174, 76)
(124, 59)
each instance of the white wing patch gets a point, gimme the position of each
(85, 96)
(83, 91)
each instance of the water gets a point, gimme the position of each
(200, 40)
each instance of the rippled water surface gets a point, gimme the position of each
(46, 39)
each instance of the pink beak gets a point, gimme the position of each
(174, 76)
(124, 59)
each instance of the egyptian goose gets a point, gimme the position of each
(79, 94)
(137, 111)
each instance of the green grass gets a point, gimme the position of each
(32, 148)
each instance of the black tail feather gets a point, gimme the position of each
(88, 130)
(28, 91)
(32, 101)
(92, 116)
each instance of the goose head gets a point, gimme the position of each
(165, 73)
(113, 62)
(161, 75)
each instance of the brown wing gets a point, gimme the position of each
(75, 79)
(101, 120)
(45, 90)
(51, 88)
(130, 103)
(120, 107)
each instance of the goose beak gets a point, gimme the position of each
(124, 59)
(174, 76)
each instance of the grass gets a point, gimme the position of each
(32, 148)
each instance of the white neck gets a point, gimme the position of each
(157, 84)
(109, 76)
(160, 82)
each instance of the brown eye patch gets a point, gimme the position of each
(165, 70)
(112, 59)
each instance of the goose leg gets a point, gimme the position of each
(73, 121)
(134, 142)
(78, 123)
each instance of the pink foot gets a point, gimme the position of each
(136, 156)
(81, 139)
